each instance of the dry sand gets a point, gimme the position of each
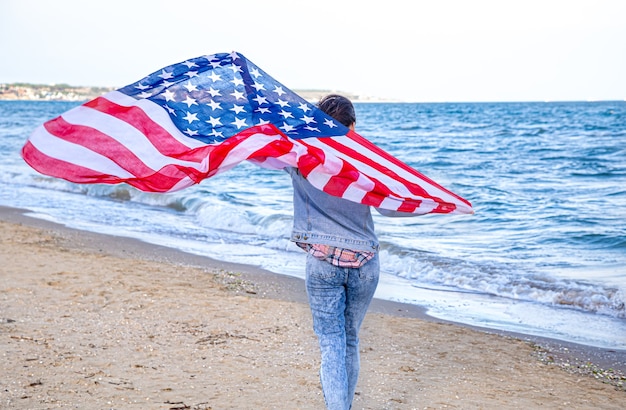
(96, 322)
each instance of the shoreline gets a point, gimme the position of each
(288, 288)
(246, 284)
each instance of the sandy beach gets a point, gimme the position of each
(92, 321)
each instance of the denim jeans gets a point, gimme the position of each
(339, 298)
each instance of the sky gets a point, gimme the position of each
(423, 51)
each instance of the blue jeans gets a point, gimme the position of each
(339, 298)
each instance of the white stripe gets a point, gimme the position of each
(253, 143)
(182, 184)
(125, 134)
(356, 191)
(157, 114)
(394, 185)
(426, 205)
(397, 187)
(318, 178)
(431, 189)
(60, 149)
(321, 174)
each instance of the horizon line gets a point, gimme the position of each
(355, 97)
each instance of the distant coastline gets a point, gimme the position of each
(65, 92)
(46, 92)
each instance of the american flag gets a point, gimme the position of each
(195, 119)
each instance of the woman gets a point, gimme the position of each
(342, 270)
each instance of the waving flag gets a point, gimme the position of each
(195, 119)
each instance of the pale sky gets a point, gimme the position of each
(431, 51)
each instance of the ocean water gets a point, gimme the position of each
(545, 253)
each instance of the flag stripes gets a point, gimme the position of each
(193, 120)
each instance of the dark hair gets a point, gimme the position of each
(338, 107)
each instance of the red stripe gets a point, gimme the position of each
(61, 169)
(218, 153)
(157, 180)
(411, 187)
(338, 184)
(98, 142)
(370, 146)
(162, 140)
(309, 161)
(277, 148)
(160, 181)
(415, 189)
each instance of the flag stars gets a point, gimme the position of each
(286, 127)
(214, 121)
(190, 64)
(238, 109)
(308, 120)
(329, 123)
(214, 105)
(214, 77)
(190, 101)
(260, 100)
(166, 75)
(237, 81)
(170, 110)
(227, 101)
(255, 72)
(217, 134)
(239, 123)
(168, 95)
(286, 114)
(238, 95)
(258, 86)
(213, 92)
(215, 97)
(191, 117)
(190, 87)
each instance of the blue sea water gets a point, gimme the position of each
(545, 253)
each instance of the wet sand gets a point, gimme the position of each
(99, 322)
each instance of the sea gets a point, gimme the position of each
(543, 255)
